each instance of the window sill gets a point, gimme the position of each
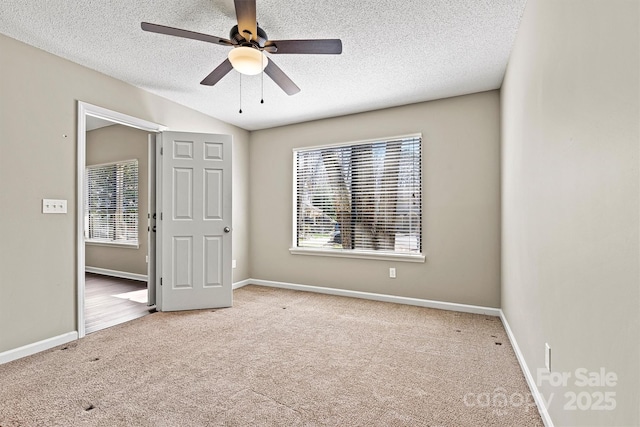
(112, 244)
(358, 254)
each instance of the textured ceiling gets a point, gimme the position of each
(394, 53)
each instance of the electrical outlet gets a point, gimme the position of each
(392, 273)
(547, 356)
(54, 206)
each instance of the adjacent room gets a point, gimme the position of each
(239, 212)
(115, 233)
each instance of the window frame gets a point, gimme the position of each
(111, 243)
(354, 253)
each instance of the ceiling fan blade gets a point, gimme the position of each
(220, 71)
(281, 79)
(246, 14)
(316, 46)
(162, 29)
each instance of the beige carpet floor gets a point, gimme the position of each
(277, 358)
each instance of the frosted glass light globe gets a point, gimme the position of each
(247, 60)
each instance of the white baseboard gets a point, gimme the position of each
(452, 306)
(116, 273)
(242, 283)
(37, 347)
(540, 403)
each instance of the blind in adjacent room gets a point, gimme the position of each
(361, 196)
(111, 202)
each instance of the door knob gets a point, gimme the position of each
(227, 229)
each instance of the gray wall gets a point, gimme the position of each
(461, 206)
(570, 114)
(111, 144)
(38, 252)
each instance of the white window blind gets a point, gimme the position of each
(111, 203)
(360, 197)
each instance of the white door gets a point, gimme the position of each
(194, 228)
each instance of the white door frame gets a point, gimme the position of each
(84, 110)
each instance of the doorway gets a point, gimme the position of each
(189, 256)
(128, 265)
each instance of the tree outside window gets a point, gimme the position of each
(360, 197)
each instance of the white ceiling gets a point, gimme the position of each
(394, 53)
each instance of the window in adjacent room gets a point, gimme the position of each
(359, 199)
(111, 203)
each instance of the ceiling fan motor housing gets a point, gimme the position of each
(257, 42)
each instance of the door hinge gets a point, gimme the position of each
(161, 151)
(160, 216)
(161, 281)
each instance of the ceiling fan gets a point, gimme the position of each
(249, 42)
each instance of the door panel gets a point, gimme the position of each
(213, 257)
(213, 186)
(182, 251)
(196, 211)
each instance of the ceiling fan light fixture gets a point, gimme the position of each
(248, 60)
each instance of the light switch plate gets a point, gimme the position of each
(54, 206)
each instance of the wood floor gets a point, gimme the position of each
(111, 300)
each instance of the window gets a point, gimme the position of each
(111, 203)
(360, 199)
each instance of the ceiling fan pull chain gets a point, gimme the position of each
(240, 93)
(262, 82)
